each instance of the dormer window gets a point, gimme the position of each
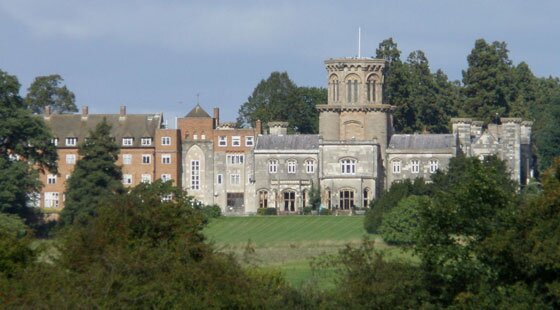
(71, 141)
(146, 141)
(127, 141)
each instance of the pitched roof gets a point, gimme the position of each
(198, 111)
(132, 125)
(426, 141)
(287, 142)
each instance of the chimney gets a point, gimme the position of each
(48, 111)
(278, 128)
(258, 127)
(123, 111)
(85, 111)
(216, 117)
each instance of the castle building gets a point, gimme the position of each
(355, 156)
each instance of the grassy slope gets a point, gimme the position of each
(288, 243)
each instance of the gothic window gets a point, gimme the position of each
(263, 199)
(434, 164)
(366, 197)
(396, 167)
(346, 199)
(334, 88)
(292, 166)
(348, 166)
(289, 201)
(415, 166)
(195, 174)
(352, 89)
(272, 166)
(371, 89)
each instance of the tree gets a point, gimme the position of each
(25, 149)
(47, 91)
(488, 81)
(96, 177)
(401, 224)
(472, 200)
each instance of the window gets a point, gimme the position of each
(434, 164)
(219, 178)
(329, 198)
(222, 141)
(146, 178)
(348, 166)
(235, 159)
(51, 179)
(166, 159)
(127, 159)
(396, 167)
(366, 197)
(70, 159)
(146, 159)
(415, 166)
(263, 199)
(249, 141)
(371, 89)
(51, 200)
(352, 91)
(272, 166)
(195, 137)
(54, 141)
(146, 141)
(71, 141)
(236, 141)
(195, 174)
(165, 177)
(346, 199)
(292, 166)
(165, 140)
(127, 141)
(310, 166)
(289, 201)
(235, 178)
(127, 179)
(202, 137)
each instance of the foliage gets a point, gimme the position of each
(367, 281)
(400, 225)
(15, 253)
(267, 211)
(210, 211)
(390, 198)
(279, 99)
(47, 91)
(473, 199)
(315, 198)
(25, 149)
(96, 177)
(142, 252)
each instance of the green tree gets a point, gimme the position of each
(473, 199)
(15, 253)
(304, 117)
(488, 81)
(401, 224)
(25, 149)
(47, 91)
(95, 178)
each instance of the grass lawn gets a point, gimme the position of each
(289, 243)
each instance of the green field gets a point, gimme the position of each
(288, 243)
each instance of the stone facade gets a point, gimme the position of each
(353, 159)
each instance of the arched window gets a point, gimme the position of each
(346, 199)
(263, 198)
(348, 166)
(292, 165)
(289, 201)
(371, 89)
(333, 84)
(352, 88)
(304, 198)
(396, 166)
(329, 201)
(366, 197)
(415, 166)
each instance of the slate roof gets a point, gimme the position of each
(287, 142)
(132, 125)
(198, 111)
(424, 141)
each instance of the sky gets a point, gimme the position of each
(156, 56)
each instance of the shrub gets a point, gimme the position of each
(307, 210)
(325, 212)
(211, 211)
(400, 225)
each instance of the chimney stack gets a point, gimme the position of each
(85, 111)
(123, 111)
(258, 127)
(48, 111)
(216, 117)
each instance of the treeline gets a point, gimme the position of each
(492, 87)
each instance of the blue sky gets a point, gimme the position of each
(155, 56)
